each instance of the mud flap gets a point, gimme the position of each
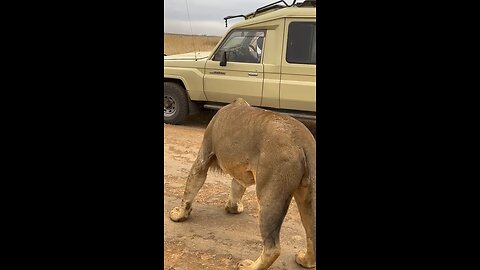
(193, 108)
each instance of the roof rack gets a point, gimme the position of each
(274, 5)
(307, 3)
(263, 9)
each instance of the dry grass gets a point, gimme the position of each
(174, 44)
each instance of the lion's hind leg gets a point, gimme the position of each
(274, 190)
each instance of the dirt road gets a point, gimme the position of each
(211, 238)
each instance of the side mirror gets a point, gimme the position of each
(223, 61)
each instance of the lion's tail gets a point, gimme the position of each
(311, 162)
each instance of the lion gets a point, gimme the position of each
(275, 152)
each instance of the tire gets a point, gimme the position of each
(175, 103)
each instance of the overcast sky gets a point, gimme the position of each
(206, 15)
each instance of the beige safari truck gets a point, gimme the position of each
(269, 59)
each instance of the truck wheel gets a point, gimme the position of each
(175, 103)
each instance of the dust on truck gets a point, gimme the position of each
(269, 59)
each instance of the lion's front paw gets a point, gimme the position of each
(234, 208)
(244, 265)
(302, 259)
(179, 214)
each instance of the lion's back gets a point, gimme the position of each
(241, 128)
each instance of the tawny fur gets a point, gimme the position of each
(274, 152)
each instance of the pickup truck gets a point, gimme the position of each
(269, 59)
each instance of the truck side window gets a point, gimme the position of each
(243, 46)
(301, 43)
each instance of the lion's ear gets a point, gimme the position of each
(240, 100)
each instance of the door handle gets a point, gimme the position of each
(252, 74)
(217, 72)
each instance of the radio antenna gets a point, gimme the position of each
(191, 31)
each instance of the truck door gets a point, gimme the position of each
(299, 65)
(243, 74)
